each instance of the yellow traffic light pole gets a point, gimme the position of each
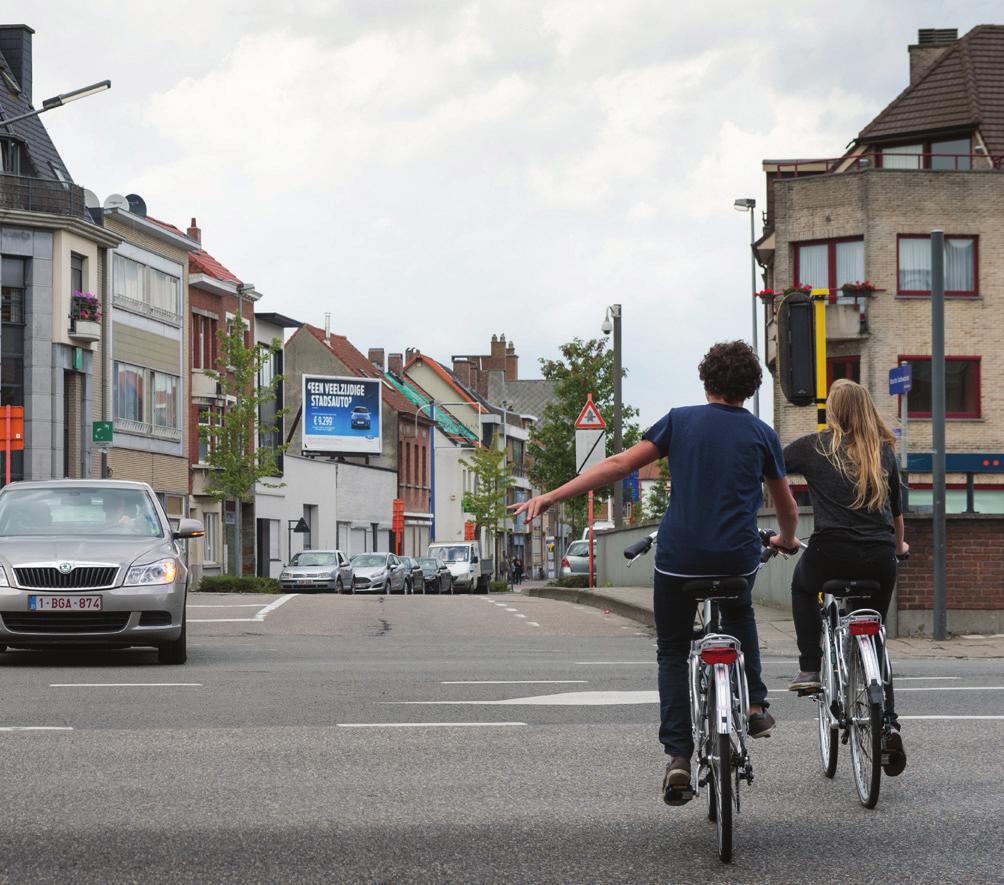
(820, 297)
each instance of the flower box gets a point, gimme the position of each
(85, 330)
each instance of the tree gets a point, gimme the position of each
(585, 367)
(492, 481)
(236, 462)
(654, 506)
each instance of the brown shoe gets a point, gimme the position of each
(676, 784)
(760, 725)
(893, 754)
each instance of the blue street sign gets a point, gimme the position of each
(631, 486)
(900, 379)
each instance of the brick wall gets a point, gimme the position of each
(975, 564)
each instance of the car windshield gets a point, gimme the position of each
(360, 410)
(125, 513)
(428, 563)
(451, 554)
(314, 557)
(368, 560)
(578, 548)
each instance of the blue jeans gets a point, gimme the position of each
(674, 627)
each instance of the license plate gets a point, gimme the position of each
(64, 603)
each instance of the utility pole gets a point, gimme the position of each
(938, 427)
(614, 313)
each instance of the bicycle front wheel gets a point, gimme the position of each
(866, 734)
(828, 732)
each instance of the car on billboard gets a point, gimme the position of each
(361, 418)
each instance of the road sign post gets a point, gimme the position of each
(820, 298)
(102, 435)
(590, 449)
(900, 384)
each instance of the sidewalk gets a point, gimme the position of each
(776, 630)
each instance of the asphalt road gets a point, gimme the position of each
(453, 739)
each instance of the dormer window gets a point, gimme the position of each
(10, 156)
(953, 154)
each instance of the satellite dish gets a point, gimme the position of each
(116, 201)
(91, 200)
(137, 205)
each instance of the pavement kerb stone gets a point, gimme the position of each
(598, 599)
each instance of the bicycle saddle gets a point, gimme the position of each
(844, 587)
(716, 588)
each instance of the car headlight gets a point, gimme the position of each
(162, 572)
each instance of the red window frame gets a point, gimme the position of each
(949, 293)
(920, 358)
(831, 361)
(831, 260)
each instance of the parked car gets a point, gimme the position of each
(463, 558)
(324, 570)
(92, 562)
(576, 559)
(378, 573)
(600, 526)
(436, 574)
(361, 418)
(416, 577)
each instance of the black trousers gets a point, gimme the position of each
(824, 560)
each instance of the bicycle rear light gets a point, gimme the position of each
(865, 628)
(719, 655)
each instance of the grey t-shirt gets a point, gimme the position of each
(833, 494)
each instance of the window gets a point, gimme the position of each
(828, 264)
(914, 263)
(128, 279)
(949, 154)
(13, 275)
(76, 273)
(129, 390)
(843, 367)
(164, 292)
(210, 541)
(205, 443)
(165, 400)
(10, 156)
(962, 387)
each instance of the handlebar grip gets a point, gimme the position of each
(638, 548)
(902, 557)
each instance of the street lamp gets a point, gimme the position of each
(612, 323)
(748, 204)
(57, 101)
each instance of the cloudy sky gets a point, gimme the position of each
(432, 172)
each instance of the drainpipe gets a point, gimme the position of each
(106, 356)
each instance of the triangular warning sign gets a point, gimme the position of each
(590, 418)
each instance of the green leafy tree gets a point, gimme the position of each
(236, 462)
(492, 481)
(657, 501)
(584, 367)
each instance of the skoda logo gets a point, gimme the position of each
(65, 568)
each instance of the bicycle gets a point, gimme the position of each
(855, 673)
(719, 699)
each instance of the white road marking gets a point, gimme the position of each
(951, 717)
(428, 724)
(227, 605)
(533, 623)
(922, 688)
(615, 663)
(565, 699)
(510, 609)
(125, 685)
(520, 682)
(924, 678)
(9, 728)
(518, 615)
(258, 616)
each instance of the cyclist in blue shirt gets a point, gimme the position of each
(719, 456)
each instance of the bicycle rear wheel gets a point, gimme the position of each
(828, 732)
(866, 734)
(720, 787)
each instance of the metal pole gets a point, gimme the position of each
(904, 449)
(615, 309)
(820, 297)
(938, 425)
(756, 395)
(239, 546)
(432, 469)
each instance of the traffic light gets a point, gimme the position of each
(796, 349)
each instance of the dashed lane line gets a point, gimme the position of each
(428, 724)
(125, 685)
(520, 682)
(11, 728)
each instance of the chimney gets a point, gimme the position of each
(498, 349)
(511, 363)
(327, 328)
(409, 354)
(194, 232)
(395, 364)
(376, 357)
(462, 369)
(15, 44)
(930, 46)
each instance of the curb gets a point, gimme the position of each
(621, 607)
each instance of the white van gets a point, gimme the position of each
(463, 559)
(600, 526)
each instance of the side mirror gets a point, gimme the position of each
(188, 528)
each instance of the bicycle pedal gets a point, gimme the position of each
(809, 692)
(675, 797)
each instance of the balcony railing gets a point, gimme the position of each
(41, 195)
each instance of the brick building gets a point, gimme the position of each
(931, 159)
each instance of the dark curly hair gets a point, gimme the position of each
(731, 370)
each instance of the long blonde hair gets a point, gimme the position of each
(857, 434)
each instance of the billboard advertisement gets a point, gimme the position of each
(342, 415)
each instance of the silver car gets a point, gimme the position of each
(325, 570)
(92, 562)
(378, 573)
(576, 560)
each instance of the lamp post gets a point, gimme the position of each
(612, 322)
(748, 204)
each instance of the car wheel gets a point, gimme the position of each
(338, 586)
(3, 648)
(175, 652)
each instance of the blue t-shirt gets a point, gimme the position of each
(718, 458)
